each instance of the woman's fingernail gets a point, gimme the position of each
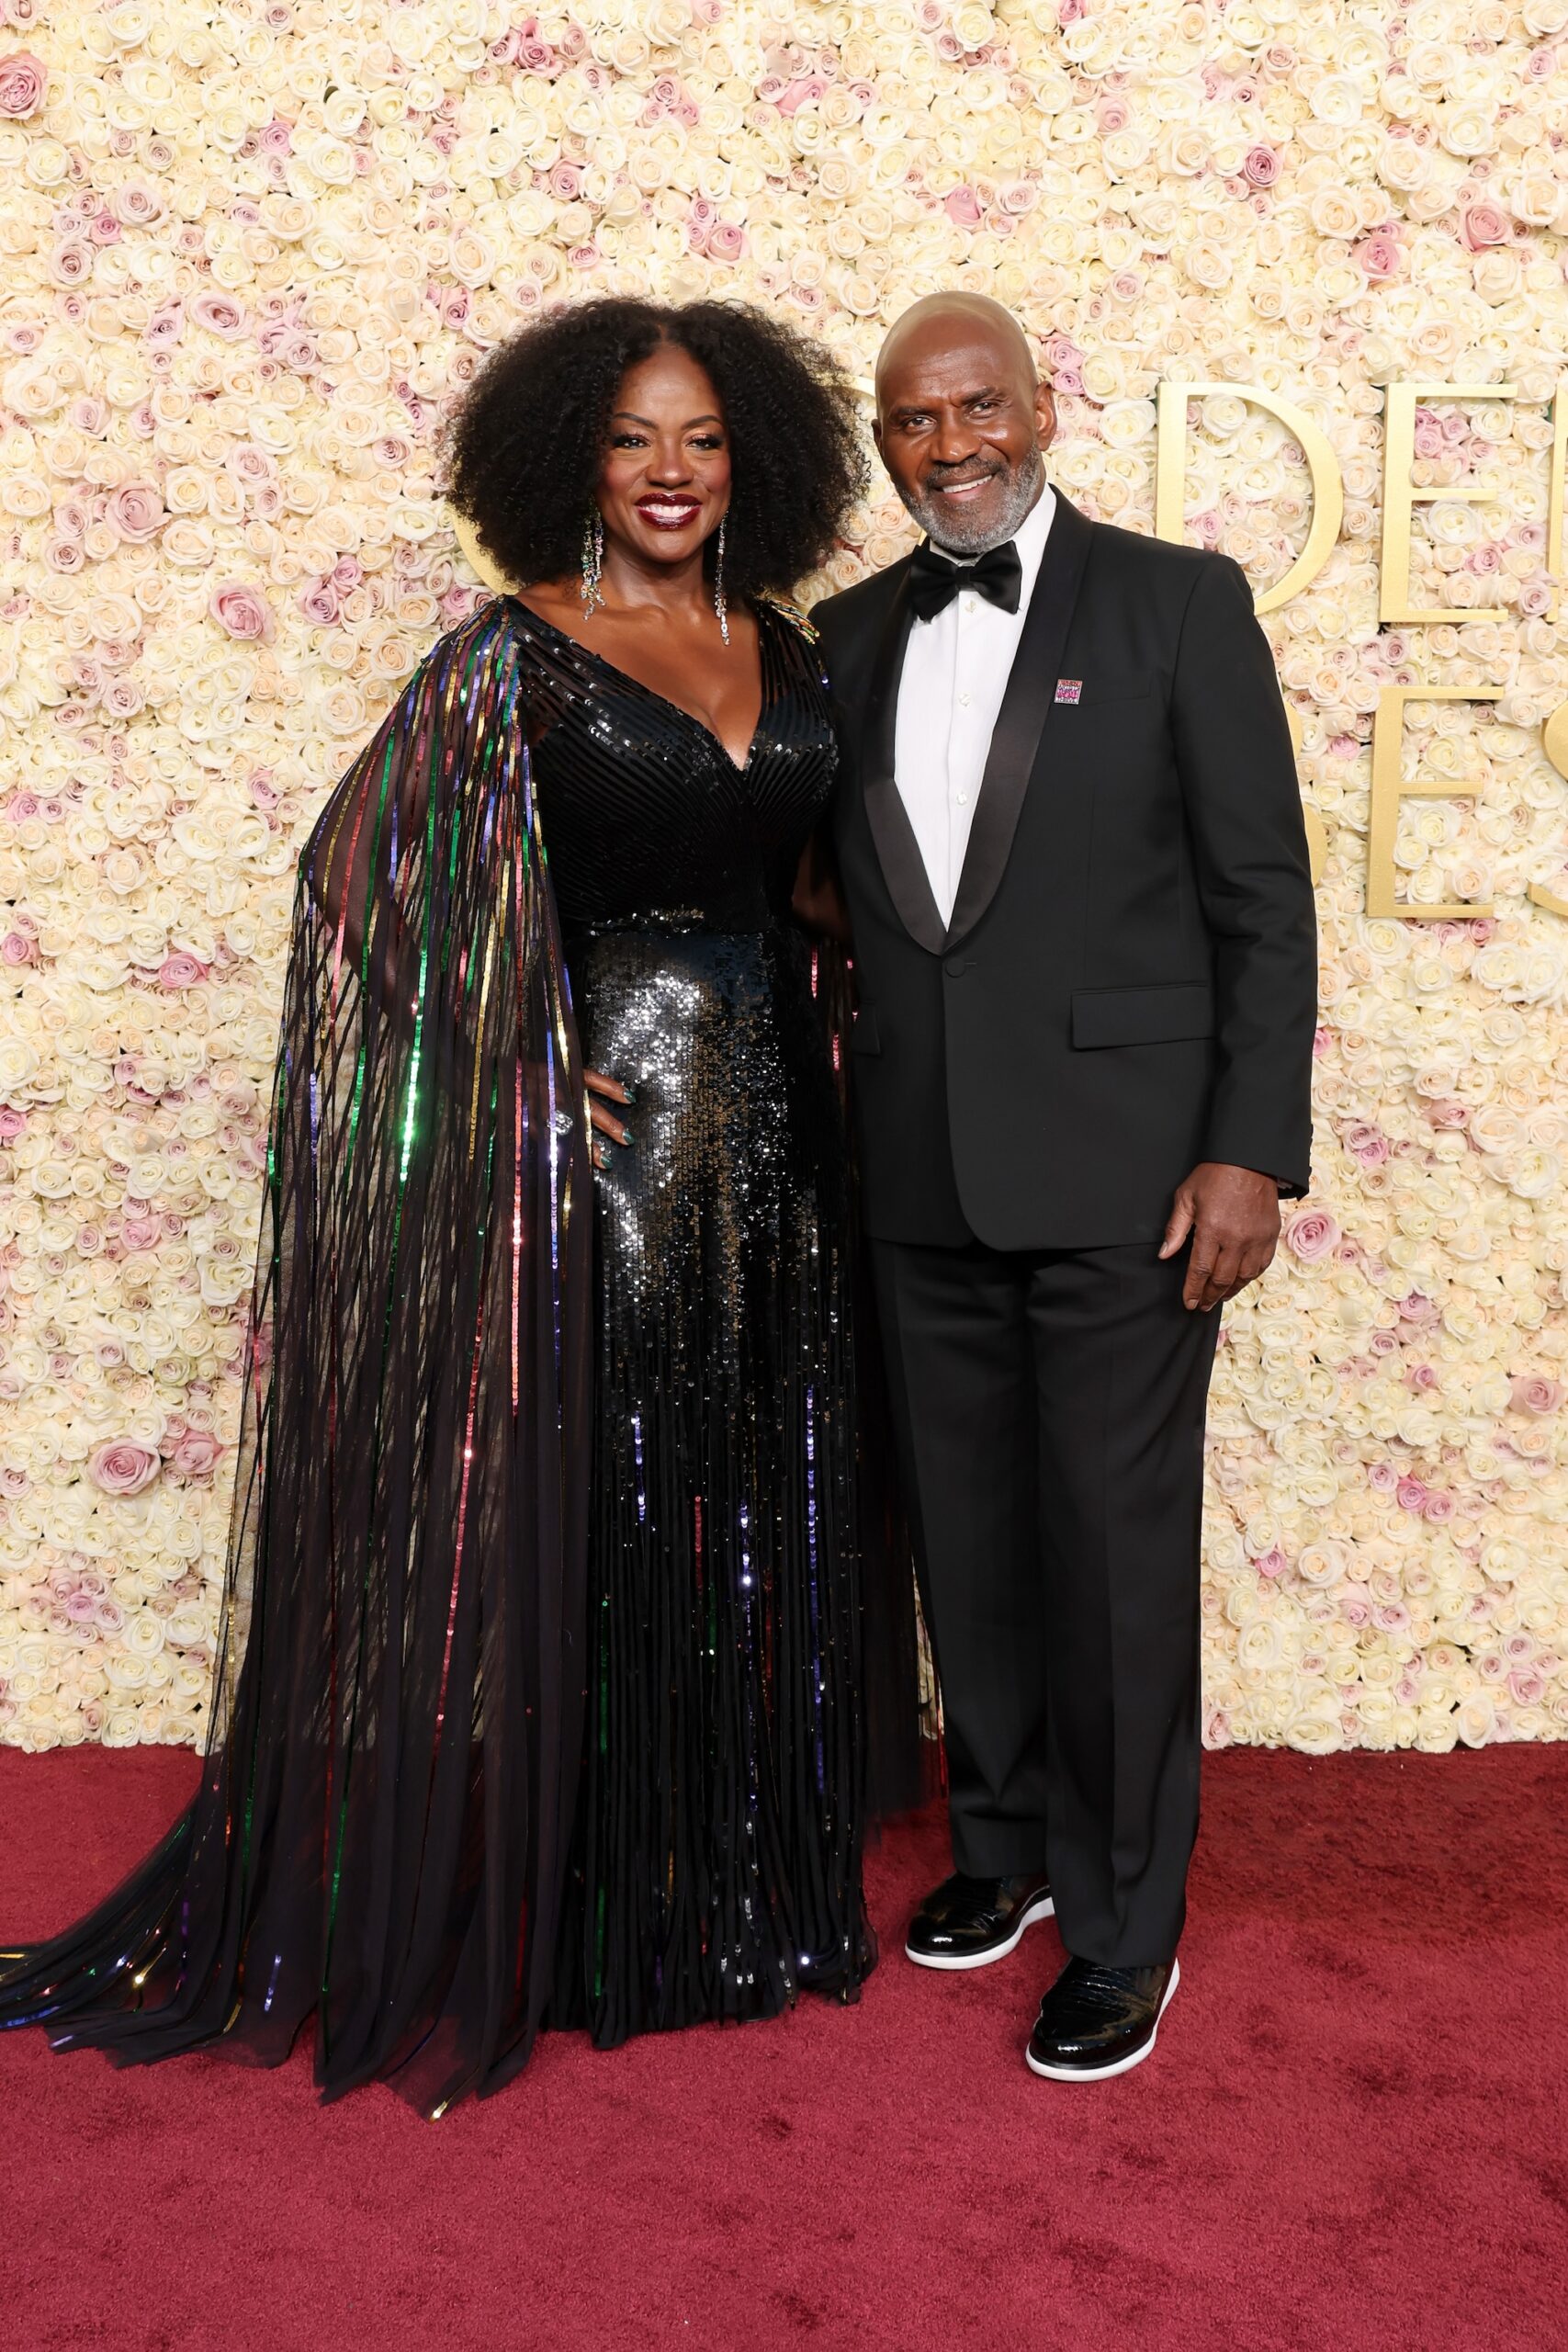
(625, 1134)
(631, 1092)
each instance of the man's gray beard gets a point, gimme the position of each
(956, 537)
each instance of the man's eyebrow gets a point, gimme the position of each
(917, 407)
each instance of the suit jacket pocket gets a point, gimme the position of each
(1121, 685)
(1150, 1017)
(864, 1037)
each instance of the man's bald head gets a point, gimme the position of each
(961, 418)
(945, 319)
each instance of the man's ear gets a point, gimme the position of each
(1046, 414)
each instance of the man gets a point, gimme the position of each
(1071, 843)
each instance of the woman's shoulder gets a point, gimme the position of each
(488, 633)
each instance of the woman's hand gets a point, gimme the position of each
(601, 1092)
(818, 900)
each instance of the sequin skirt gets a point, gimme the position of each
(717, 1865)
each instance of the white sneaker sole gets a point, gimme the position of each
(1041, 1907)
(1118, 2066)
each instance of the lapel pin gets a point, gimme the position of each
(1068, 689)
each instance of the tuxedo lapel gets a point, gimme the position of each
(1026, 705)
(898, 851)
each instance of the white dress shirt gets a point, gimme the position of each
(955, 674)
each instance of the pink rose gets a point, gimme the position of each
(1311, 1235)
(17, 948)
(1272, 1563)
(1367, 1143)
(963, 208)
(13, 1123)
(195, 1454)
(141, 1232)
(22, 79)
(220, 313)
(1260, 167)
(1411, 1494)
(1438, 1507)
(1531, 1393)
(123, 1468)
(1379, 254)
(180, 971)
(1113, 116)
(727, 241)
(135, 511)
(1429, 435)
(240, 610)
(1383, 1478)
(800, 93)
(137, 206)
(1483, 224)
(319, 603)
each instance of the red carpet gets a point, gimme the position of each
(1352, 2137)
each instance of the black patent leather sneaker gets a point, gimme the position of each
(968, 1922)
(1099, 2021)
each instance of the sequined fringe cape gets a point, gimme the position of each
(390, 1777)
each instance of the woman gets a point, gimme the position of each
(538, 1695)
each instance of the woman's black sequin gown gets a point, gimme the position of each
(540, 1693)
(718, 1863)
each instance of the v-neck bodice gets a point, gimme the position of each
(647, 815)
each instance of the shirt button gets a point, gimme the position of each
(968, 604)
(962, 799)
(964, 700)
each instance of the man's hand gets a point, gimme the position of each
(1233, 1216)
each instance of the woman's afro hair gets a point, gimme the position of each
(525, 445)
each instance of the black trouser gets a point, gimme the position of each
(1049, 1406)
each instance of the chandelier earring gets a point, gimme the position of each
(720, 604)
(593, 561)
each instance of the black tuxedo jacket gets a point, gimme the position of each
(1129, 981)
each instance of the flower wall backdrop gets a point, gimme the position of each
(248, 252)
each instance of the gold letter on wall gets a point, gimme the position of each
(1328, 491)
(1400, 493)
(1554, 744)
(1390, 786)
(1554, 491)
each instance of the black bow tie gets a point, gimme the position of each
(935, 579)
